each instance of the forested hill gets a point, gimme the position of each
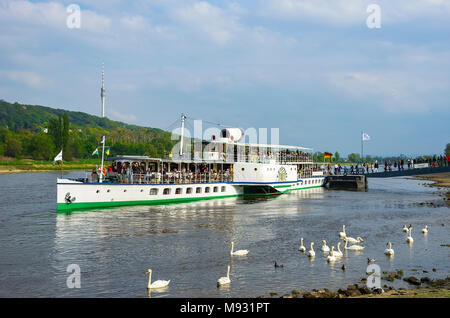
(26, 131)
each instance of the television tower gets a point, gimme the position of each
(102, 90)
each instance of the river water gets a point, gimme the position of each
(186, 243)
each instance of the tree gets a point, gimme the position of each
(42, 147)
(337, 156)
(353, 157)
(447, 149)
(13, 146)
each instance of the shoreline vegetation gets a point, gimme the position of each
(9, 165)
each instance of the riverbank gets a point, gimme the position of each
(421, 288)
(28, 165)
(439, 179)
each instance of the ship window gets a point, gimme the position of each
(256, 169)
(178, 191)
(198, 190)
(166, 191)
(243, 169)
(223, 189)
(97, 191)
(108, 190)
(154, 191)
(216, 189)
(188, 190)
(207, 190)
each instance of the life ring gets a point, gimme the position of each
(102, 171)
(224, 156)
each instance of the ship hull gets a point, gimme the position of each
(74, 195)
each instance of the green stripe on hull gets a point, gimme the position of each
(63, 207)
(283, 186)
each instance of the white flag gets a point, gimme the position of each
(365, 136)
(103, 140)
(58, 157)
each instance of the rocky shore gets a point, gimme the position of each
(421, 287)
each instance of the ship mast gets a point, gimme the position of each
(183, 118)
(102, 90)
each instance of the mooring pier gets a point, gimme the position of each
(357, 182)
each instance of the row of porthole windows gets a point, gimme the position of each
(314, 181)
(167, 191)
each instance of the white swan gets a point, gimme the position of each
(302, 248)
(156, 284)
(311, 252)
(325, 248)
(389, 251)
(425, 230)
(353, 247)
(238, 253)
(343, 234)
(338, 253)
(405, 229)
(409, 239)
(330, 257)
(224, 280)
(352, 240)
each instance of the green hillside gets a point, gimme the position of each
(28, 131)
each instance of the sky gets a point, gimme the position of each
(311, 68)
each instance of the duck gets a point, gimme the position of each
(325, 248)
(338, 253)
(352, 240)
(344, 267)
(409, 239)
(302, 248)
(425, 229)
(343, 234)
(371, 260)
(330, 257)
(389, 251)
(238, 253)
(156, 284)
(353, 247)
(224, 280)
(311, 252)
(405, 229)
(278, 265)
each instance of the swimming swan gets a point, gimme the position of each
(224, 280)
(405, 229)
(311, 252)
(353, 247)
(409, 239)
(156, 284)
(338, 253)
(352, 240)
(302, 248)
(389, 251)
(330, 257)
(343, 234)
(425, 230)
(238, 253)
(325, 248)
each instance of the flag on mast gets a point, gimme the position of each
(107, 151)
(95, 152)
(365, 136)
(58, 157)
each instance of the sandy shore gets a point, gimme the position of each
(440, 179)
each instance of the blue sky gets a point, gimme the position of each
(311, 68)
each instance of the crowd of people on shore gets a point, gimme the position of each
(388, 165)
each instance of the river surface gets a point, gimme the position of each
(187, 243)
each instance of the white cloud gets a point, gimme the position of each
(127, 118)
(218, 25)
(30, 79)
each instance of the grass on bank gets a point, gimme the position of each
(42, 165)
